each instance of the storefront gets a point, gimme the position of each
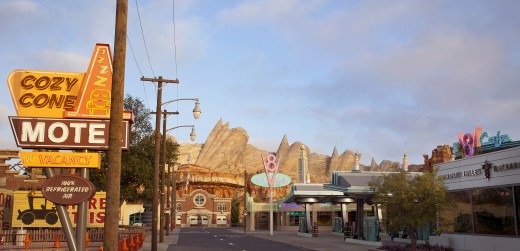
(486, 191)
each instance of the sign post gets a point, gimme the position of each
(270, 173)
(66, 111)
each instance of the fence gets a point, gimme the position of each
(129, 239)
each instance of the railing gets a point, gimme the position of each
(129, 239)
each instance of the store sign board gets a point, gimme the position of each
(279, 181)
(31, 209)
(61, 159)
(68, 189)
(44, 94)
(36, 133)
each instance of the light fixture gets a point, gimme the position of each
(192, 134)
(196, 110)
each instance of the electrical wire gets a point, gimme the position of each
(144, 40)
(175, 59)
(138, 68)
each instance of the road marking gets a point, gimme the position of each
(221, 239)
(215, 236)
(231, 244)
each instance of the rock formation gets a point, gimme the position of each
(227, 150)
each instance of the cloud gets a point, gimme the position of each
(62, 60)
(7, 139)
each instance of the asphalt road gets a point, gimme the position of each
(217, 239)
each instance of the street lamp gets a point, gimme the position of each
(196, 110)
(196, 115)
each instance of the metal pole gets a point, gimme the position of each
(66, 224)
(115, 130)
(168, 202)
(245, 201)
(271, 212)
(155, 188)
(174, 198)
(81, 226)
(163, 164)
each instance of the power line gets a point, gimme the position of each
(174, 41)
(138, 68)
(144, 40)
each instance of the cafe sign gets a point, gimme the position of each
(68, 189)
(279, 181)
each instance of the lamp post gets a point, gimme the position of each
(174, 186)
(196, 115)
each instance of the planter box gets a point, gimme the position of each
(304, 234)
(439, 240)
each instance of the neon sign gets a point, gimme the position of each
(495, 140)
(469, 142)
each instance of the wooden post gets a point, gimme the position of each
(157, 153)
(115, 129)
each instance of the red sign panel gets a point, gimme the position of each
(34, 133)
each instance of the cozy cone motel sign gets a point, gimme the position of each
(66, 111)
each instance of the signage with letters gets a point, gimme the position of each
(68, 189)
(44, 94)
(34, 133)
(61, 159)
(279, 181)
(31, 209)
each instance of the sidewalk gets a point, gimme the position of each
(325, 242)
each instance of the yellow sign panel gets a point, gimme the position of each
(31, 209)
(44, 94)
(60, 159)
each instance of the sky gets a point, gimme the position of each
(378, 77)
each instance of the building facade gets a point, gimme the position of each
(486, 190)
(202, 209)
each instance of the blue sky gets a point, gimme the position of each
(379, 77)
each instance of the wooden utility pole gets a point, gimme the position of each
(115, 130)
(162, 206)
(157, 153)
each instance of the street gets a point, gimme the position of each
(196, 239)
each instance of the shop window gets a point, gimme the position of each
(493, 211)
(221, 207)
(458, 219)
(294, 218)
(324, 218)
(517, 199)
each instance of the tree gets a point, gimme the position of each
(410, 200)
(137, 162)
